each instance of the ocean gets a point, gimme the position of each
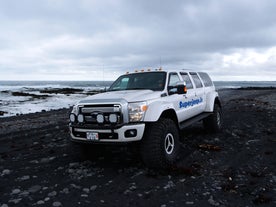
(243, 84)
(91, 85)
(23, 97)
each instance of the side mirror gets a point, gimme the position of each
(181, 87)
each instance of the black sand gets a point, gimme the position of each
(237, 167)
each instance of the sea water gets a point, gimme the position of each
(244, 84)
(11, 105)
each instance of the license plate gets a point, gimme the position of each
(92, 135)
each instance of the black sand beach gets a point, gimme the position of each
(236, 167)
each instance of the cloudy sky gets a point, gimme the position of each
(100, 39)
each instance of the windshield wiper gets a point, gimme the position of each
(114, 89)
(138, 89)
(130, 89)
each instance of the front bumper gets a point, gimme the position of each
(108, 135)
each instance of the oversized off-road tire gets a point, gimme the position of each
(213, 123)
(160, 144)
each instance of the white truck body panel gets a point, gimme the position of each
(115, 105)
(128, 95)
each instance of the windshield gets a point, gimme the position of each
(138, 81)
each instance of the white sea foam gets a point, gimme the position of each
(12, 104)
(15, 105)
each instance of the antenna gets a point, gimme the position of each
(160, 61)
(103, 78)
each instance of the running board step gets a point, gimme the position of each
(192, 120)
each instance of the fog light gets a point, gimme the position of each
(80, 118)
(113, 118)
(100, 118)
(72, 117)
(131, 133)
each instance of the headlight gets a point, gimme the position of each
(80, 118)
(136, 111)
(100, 118)
(72, 117)
(73, 114)
(113, 118)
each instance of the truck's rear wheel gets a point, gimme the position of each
(213, 123)
(160, 144)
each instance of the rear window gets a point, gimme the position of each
(196, 79)
(188, 81)
(206, 79)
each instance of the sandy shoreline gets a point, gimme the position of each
(38, 165)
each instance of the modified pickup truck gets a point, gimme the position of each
(148, 107)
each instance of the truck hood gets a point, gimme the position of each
(128, 95)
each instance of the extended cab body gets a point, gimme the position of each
(148, 107)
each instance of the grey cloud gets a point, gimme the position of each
(123, 34)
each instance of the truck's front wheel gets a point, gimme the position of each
(160, 144)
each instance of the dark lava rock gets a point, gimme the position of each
(29, 94)
(61, 90)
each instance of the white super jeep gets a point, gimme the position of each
(150, 108)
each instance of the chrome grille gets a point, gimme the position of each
(90, 113)
(86, 110)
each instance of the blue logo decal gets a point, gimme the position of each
(190, 103)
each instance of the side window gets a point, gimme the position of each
(173, 79)
(187, 79)
(206, 79)
(197, 81)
